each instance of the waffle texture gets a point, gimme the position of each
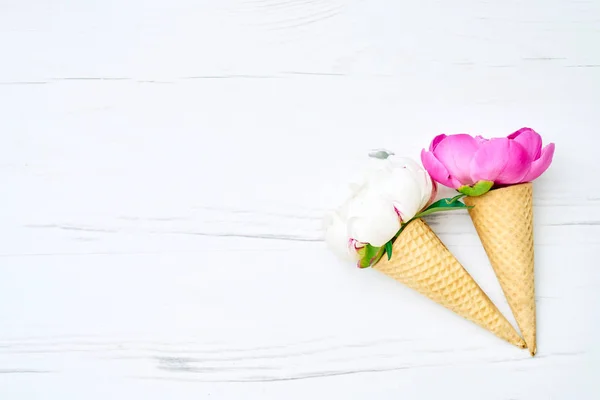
(422, 262)
(504, 221)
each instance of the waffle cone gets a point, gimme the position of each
(422, 262)
(504, 221)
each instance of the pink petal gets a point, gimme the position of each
(518, 164)
(436, 140)
(487, 164)
(455, 183)
(455, 152)
(530, 140)
(500, 160)
(539, 166)
(436, 169)
(517, 133)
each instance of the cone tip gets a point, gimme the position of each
(532, 351)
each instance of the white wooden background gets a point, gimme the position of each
(164, 166)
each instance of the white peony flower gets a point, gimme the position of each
(390, 191)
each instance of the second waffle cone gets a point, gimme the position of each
(503, 219)
(422, 262)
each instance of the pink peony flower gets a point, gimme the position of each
(463, 162)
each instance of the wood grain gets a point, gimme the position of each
(165, 167)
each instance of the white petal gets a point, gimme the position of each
(422, 189)
(373, 220)
(404, 162)
(401, 188)
(426, 189)
(336, 237)
(372, 169)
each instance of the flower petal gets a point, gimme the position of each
(336, 237)
(539, 166)
(401, 188)
(517, 166)
(424, 183)
(436, 140)
(500, 160)
(480, 139)
(455, 183)
(405, 162)
(455, 152)
(489, 160)
(436, 169)
(428, 189)
(433, 195)
(374, 221)
(530, 140)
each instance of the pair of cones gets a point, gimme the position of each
(503, 219)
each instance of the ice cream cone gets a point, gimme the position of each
(504, 221)
(422, 262)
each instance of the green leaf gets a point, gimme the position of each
(370, 255)
(456, 198)
(481, 187)
(443, 205)
(388, 249)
